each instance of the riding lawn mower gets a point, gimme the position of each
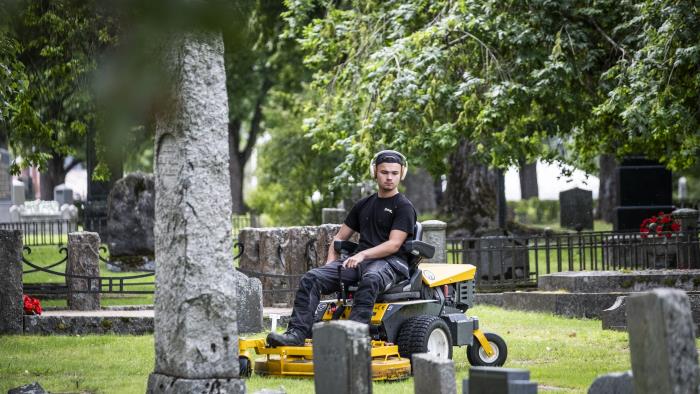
(422, 314)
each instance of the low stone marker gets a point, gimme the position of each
(662, 342)
(342, 360)
(249, 304)
(435, 233)
(613, 383)
(495, 380)
(11, 307)
(433, 375)
(34, 388)
(333, 215)
(83, 259)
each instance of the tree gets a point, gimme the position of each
(49, 112)
(254, 66)
(497, 81)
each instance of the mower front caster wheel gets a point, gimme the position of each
(477, 355)
(244, 367)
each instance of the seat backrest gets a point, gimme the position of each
(418, 231)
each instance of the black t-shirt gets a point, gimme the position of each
(374, 218)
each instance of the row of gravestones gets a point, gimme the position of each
(662, 349)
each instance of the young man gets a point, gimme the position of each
(384, 220)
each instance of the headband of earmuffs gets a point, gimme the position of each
(388, 156)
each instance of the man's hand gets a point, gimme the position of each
(354, 261)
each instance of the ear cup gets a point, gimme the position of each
(372, 168)
(404, 171)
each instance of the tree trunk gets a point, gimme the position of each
(528, 180)
(420, 190)
(607, 198)
(235, 169)
(52, 176)
(471, 196)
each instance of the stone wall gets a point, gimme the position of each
(289, 251)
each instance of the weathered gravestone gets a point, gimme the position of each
(342, 361)
(613, 383)
(130, 218)
(433, 375)
(496, 380)
(62, 194)
(435, 233)
(11, 307)
(333, 215)
(196, 334)
(576, 209)
(33, 388)
(83, 261)
(5, 186)
(662, 342)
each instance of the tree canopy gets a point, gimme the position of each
(559, 80)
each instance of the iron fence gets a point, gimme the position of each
(516, 262)
(43, 232)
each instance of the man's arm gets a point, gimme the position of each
(343, 234)
(387, 248)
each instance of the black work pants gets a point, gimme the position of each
(374, 277)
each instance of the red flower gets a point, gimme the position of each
(662, 225)
(32, 306)
(675, 226)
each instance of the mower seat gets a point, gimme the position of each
(407, 289)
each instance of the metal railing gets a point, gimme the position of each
(515, 262)
(43, 232)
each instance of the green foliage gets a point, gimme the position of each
(561, 81)
(290, 171)
(48, 106)
(534, 210)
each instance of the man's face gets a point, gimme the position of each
(388, 176)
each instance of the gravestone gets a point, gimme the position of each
(5, 186)
(130, 220)
(342, 361)
(433, 375)
(435, 233)
(576, 209)
(63, 194)
(333, 215)
(644, 189)
(11, 306)
(613, 383)
(497, 380)
(662, 342)
(34, 388)
(420, 190)
(196, 333)
(83, 260)
(18, 192)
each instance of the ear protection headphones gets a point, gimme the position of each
(388, 156)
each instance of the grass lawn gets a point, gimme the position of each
(563, 355)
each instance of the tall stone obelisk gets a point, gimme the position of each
(196, 335)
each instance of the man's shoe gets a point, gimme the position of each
(289, 338)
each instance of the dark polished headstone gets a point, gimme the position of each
(644, 189)
(576, 209)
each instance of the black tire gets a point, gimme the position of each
(477, 356)
(425, 334)
(244, 367)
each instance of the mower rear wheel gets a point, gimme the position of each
(477, 355)
(425, 334)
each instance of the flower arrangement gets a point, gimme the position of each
(32, 306)
(660, 225)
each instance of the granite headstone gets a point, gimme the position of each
(576, 209)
